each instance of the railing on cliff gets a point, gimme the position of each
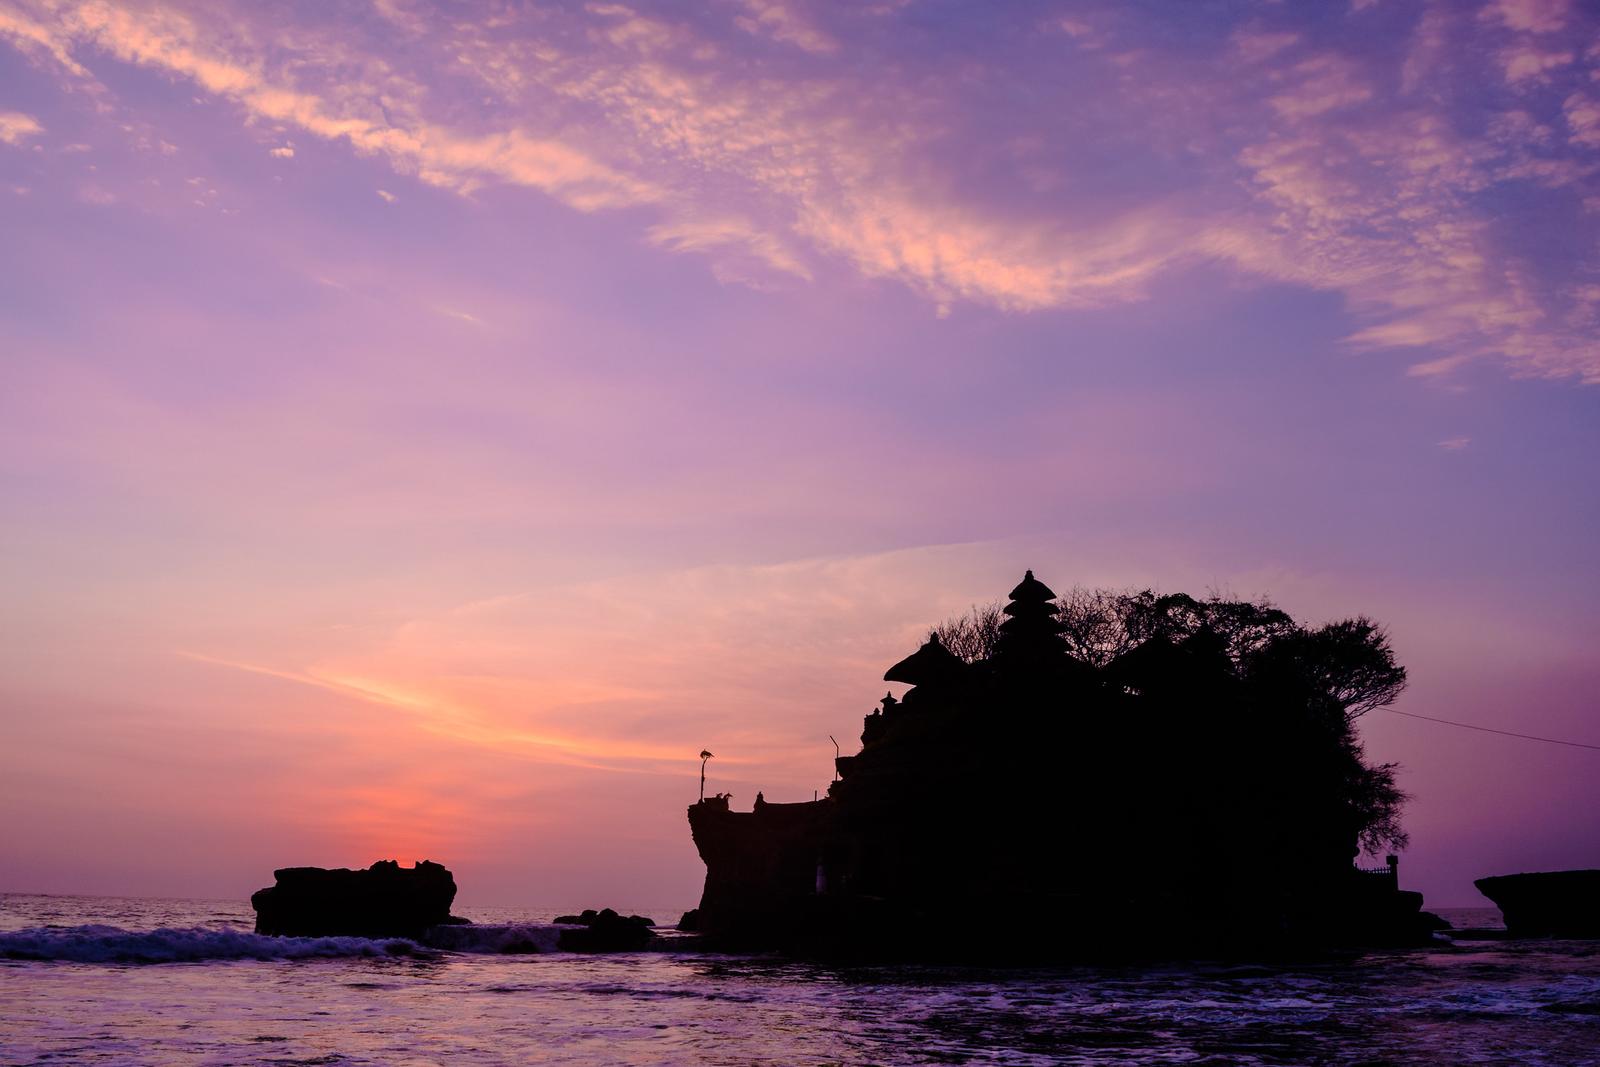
(1390, 871)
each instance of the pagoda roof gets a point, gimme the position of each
(1031, 588)
(930, 663)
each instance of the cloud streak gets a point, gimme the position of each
(1277, 155)
(448, 717)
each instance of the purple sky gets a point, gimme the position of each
(424, 427)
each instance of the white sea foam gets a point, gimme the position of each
(111, 944)
(107, 944)
(500, 938)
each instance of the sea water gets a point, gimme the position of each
(134, 981)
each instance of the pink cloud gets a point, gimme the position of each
(775, 172)
(172, 41)
(1582, 112)
(1321, 84)
(15, 127)
(1533, 16)
(1525, 62)
(783, 21)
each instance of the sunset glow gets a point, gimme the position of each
(424, 428)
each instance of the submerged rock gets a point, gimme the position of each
(385, 900)
(606, 931)
(1547, 903)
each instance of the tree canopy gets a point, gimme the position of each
(1294, 691)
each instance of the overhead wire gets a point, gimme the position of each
(1492, 730)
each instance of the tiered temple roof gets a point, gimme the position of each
(1031, 630)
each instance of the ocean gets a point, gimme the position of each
(105, 980)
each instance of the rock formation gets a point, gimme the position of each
(1199, 790)
(1547, 904)
(606, 931)
(385, 900)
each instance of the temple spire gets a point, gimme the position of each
(1031, 630)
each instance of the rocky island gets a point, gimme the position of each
(385, 900)
(1547, 903)
(1100, 775)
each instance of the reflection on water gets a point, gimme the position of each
(1486, 1002)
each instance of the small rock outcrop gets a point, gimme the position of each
(1547, 903)
(606, 931)
(385, 900)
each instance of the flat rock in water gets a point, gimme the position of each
(1547, 903)
(606, 931)
(385, 900)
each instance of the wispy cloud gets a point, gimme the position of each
(784, 21)
(442, 714)
(1535, 16)
(1582, 112)
(37, 39)
(1275, 152)
(15, 127)
(459, 315)
(178, 42)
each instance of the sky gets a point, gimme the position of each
(425, 427)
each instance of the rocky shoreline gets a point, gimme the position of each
(390, 901)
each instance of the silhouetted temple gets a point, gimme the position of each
(1027, 804)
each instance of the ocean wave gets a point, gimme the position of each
(112, 944)
(510, 938)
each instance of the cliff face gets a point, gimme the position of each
(1167, 802)
(761, 866)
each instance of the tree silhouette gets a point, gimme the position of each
(973, 636)
(1301, 688)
